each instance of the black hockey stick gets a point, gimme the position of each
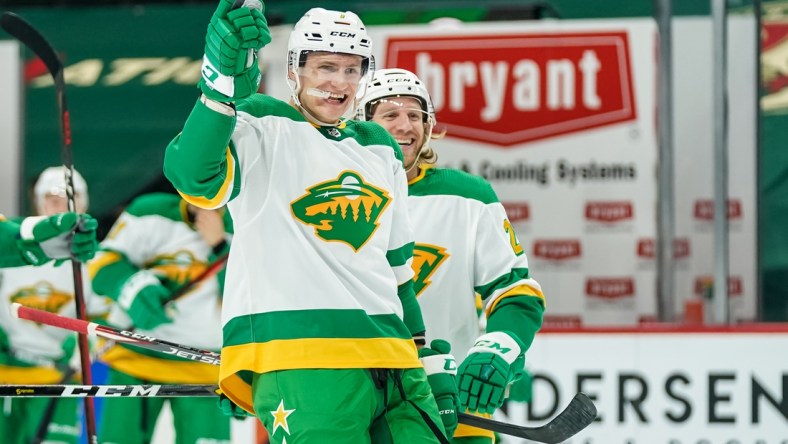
(123, 336)
(30, 37)
(49, 413)
(576, 416)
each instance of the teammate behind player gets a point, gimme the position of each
(319, 312)
(38, 354)
(54, 233)
(472, 250)
(158, 244)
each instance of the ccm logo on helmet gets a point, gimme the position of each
(343, 34)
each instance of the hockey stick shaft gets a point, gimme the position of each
(212, 269)
(30, 37)
(106, 391)
(49, 413)
(575, 417)
(123, 336)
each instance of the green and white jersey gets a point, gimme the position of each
(322, 249)
(154, 233)
(466, 245)
(31, 349)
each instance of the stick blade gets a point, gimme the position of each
(23, 31)
(578, 415)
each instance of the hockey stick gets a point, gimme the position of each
(579, 414)
(30, 37)
(575, 417)
(49, 413)
(209, 272)
(126, 337)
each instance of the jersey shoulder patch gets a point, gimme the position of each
(261, 105)
(451, 182)
(156, 204)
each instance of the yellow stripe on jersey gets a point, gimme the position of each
(310, 353)
(466, 431)
(238, 391)
(215, 201)
(520, 290)
(160, 370)
(102, 259)
(29, 375)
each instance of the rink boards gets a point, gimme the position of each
(665, 386)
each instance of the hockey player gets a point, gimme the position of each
(55, 233)
(473, 249)
(36, 354)
(319, 312)
(158, 244)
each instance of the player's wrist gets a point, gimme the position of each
(221, 107)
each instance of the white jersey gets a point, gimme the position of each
(464, 245)
(154, 233)
(320, 247)
(46, 287)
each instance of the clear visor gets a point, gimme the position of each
(393, 108)
(332, 74)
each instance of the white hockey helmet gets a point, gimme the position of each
(52, 181)
(328, 31)
(395, 82)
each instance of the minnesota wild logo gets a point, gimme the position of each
(42, 296)
(343, 210)
(426, 260)
(177, 268)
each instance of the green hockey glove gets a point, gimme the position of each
(496, 360)
(229, 408)
(62, 236)
(230, 70)
(441, 369)
(143, 297)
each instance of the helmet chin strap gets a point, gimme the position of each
(427, 137)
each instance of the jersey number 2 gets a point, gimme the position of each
(516, 247)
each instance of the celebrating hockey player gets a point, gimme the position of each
(159, 244)
(36, 354)
(319, 311)
(473, 249)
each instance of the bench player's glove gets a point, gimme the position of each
(441, 369)
(143, 297)
(496, 360)
(229, 69)
(62, 236)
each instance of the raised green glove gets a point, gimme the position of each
(143, 297)
(441, 369)
(496, 360)
(229, 69)
(62, 236)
